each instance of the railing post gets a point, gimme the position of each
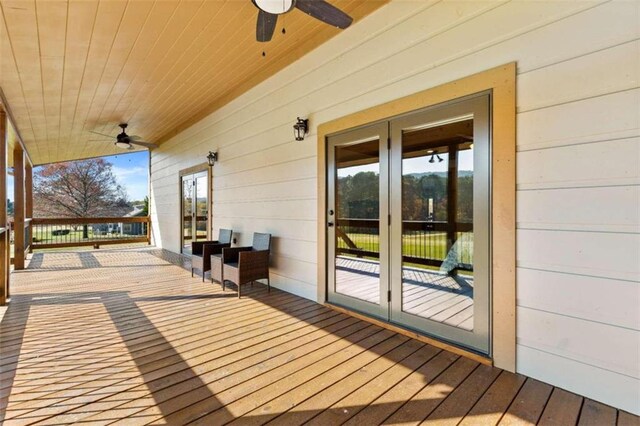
(4, 237)
(149, 230)
(18, 208)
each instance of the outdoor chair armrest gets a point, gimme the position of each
(210, 249)
(230, 255)
(197, 246)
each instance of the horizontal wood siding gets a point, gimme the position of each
(578, 163)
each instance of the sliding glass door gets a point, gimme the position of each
(409, 227)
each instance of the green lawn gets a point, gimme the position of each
(431, 246)
(44, 235)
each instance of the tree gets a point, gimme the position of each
(145, 207)
(358, 196)
(86, 188)
(9, 207)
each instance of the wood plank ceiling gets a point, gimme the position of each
(68, 67)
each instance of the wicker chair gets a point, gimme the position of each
(201, 251)
(242, 265)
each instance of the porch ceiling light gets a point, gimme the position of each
(275, 7)
(123, 145)
(212, 158)
(301, 128)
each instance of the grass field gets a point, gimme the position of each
(45, 235)
(432, 245)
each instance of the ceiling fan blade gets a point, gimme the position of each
(143, 143)
(101, 134)
(265, 26)
(325, 12)
(135, 138)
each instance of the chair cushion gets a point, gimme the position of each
(224, 236)
(261, 241)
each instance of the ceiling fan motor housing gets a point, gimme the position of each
(122, 137)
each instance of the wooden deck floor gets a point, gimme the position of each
(129, 337)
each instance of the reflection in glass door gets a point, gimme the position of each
(195, 212)
(357, 224)
(408, 221)
(201, 206)
(188, 187)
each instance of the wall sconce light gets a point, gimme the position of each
(301, 128)
(212, 158)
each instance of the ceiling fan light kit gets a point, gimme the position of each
(268, 11)
(275, 7)
(123, 145)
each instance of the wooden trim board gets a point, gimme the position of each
(194, 169)
(501, 81)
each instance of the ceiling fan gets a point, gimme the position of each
(125, 141)
(319, 9)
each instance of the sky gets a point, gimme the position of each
(131, 171)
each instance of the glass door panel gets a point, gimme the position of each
(357, 220)
(188, 189)
(440, 231)
(202, 207)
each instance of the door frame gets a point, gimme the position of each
(204, 167)
(501, 82)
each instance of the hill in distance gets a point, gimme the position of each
(461, 173)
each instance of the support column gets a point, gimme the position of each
(28, 201)
(4, 236)
(19, 208)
